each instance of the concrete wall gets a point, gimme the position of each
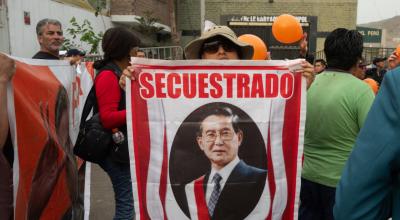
(23, 42)
(4, 36)
(138, 7)
(330, 14)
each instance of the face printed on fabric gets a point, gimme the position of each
(220, 50)
(218, 140)
(51, 39)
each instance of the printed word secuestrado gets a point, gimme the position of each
(215, 85)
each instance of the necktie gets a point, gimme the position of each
(215, 193)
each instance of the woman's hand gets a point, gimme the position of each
(307, 71)
(7, 68)
(131, 73)
(303, 44)
(393, 60)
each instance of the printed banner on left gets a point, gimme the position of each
(45, 103)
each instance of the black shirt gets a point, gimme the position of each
(45, 56)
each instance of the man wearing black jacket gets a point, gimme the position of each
(378, 72)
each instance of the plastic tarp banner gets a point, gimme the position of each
(46, 99)
(190, 120)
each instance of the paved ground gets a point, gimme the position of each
(102, 195)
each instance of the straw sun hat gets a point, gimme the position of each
(192, 50)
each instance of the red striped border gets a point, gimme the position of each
(290, 143)
(164, 174)
(141, 140)
(271, 176)
(202, 209)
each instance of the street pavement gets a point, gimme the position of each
(102, 206)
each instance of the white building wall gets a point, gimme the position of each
(4, 37)
(23, 41)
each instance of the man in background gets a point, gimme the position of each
(378, 72)
(319, 66)
(141, 54)
(50, 37)
(337, 105)
(74, 56)
(369, 188)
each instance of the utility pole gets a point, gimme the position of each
(202, 14)
(172, 20)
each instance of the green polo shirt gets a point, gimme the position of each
(337, 105)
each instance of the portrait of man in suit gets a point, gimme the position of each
(231, 188)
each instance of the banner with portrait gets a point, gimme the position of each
(216, 139)
(46, 100)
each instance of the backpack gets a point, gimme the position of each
(94, 142)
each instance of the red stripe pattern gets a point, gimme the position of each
(141, 140)
(202, 210)
(290, 141)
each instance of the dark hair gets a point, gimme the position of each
(343, 48)
(219, 111)
(320, 61)
(44, 22)
(117, 42)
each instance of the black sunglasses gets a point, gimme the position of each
(213, 46)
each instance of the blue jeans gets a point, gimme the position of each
(122, 184)
(316, 201)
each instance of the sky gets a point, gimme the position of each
(376, 10)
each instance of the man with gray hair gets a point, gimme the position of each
(50, 36)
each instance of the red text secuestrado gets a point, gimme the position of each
(215, 85)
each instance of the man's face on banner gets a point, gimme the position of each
(218, 140)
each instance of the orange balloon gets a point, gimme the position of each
(398, 51)
(260, 49)
(373, 84)
(287, 29)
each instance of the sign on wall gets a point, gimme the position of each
(370, 35)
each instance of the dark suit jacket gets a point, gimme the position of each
(241, 192)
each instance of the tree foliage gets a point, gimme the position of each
(147, 23)
(83, 33)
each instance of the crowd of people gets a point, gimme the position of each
(351, 147)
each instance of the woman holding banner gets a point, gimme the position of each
(221, 43)
(118, 44)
